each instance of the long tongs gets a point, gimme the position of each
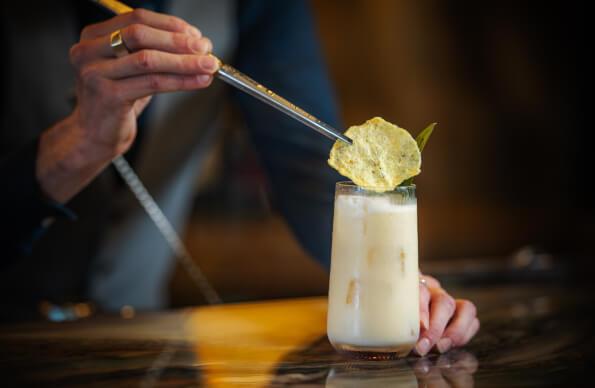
(246, 84)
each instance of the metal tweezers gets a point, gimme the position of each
(246, 84)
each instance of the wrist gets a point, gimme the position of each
(67, 160)
(84, 151)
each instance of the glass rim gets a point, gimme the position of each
(351, 184)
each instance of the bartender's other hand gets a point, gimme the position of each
(166, 54)
(445, 322)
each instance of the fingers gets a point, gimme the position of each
(431, 282)
(424, 299)
(150, 62)
(442, 308)
(424, 306)
(167, 54)
(458, 329)
(139, 16)
(471, 331)
(451, 323)
(139, 37)
(134, 88)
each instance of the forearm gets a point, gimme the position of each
(66, 161)
(167, 54)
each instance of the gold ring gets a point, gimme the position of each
(117, 43)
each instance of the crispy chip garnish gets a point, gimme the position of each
(381, 157)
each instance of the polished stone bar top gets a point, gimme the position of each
(531, 335)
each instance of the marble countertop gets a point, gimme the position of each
(531, 335)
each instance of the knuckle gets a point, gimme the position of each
(145, 60)
(424, 296)
(76, 54)
(456, 337)
(447, 301)
(192, 82)
(155, 82)
(433, 334)
(139, 15)
(182, 41)
(176, 24)
(431, 282)
(135, 35)
(186, 83)
(469, 306)
(190, 64)
(87, 31)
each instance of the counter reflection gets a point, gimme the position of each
(453, 369)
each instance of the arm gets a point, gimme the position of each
(278, 47)
(167, 54)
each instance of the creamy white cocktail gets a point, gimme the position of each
(374, 280)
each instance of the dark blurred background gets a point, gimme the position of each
(508, 169)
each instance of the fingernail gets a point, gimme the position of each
(423, 346)
(443, 345)
(209, 63)
(203, 78)
(198, 46)
(194, 31)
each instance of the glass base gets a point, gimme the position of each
(373, 352)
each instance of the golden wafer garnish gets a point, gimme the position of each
(382, 155)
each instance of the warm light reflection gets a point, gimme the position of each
(241, 344)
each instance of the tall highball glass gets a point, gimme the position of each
(373, 304)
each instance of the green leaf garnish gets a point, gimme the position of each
(424, 135)
(421, 140)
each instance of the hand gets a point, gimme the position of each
(167, 54)
(445, 322)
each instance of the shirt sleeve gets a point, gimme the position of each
(26, 213)
(278, 47)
